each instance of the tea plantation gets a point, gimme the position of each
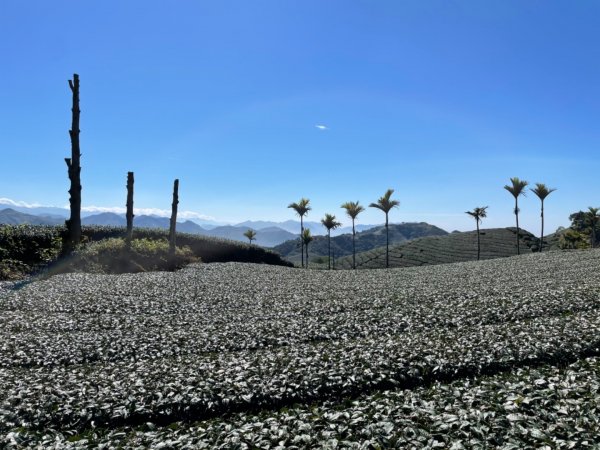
(502, 353)
(451, 248)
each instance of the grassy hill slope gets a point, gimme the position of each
(365, 240)
(454, 247)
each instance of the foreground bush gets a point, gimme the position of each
(112, 256)
(25, 248)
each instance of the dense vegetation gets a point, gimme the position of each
(584, 231)
(25, 248)
(454, 247)
(246, 356)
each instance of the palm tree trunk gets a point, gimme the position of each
(302, 240)
(542, 236)
(307, 256)
(353, 247)
(478, 242)
(328, 249)
(517, 216)
(387, 243)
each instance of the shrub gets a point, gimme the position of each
(112, 256)
(31, 245)
(12, 269)
(572, 239)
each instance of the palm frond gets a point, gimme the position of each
(250, 234)
(307, 236)
(353, 209)
(330, 222)
(517, 187)
(384, 203)
(542, 191)
(478, 213)
(302, 207)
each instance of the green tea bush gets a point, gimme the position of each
(111, 255)
(25, 248)
(12, 269)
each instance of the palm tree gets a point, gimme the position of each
(386, 205)
(353, 209)
(301, 209)
(306, 239)
(330, 223)
(517, 189)
(250, 234)
(478, 214)
(592, 219)
(542, 191)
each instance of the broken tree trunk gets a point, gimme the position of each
(129, 205)
(173, 226)
(73, 237)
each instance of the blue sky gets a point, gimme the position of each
(442, 101)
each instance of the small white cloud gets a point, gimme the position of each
(322, 127)
(146, 212)
(8, 201)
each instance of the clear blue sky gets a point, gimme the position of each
(443, 101)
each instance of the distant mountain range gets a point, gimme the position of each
(267, 236)
(365, 240)
(293, 226)
(11, 217)
(282, 235)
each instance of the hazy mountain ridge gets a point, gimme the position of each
(10, 216)
(366, 240)
(293, 226)
(268, 236)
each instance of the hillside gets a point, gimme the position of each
(9, 216)
(365, 240)
(454, 247)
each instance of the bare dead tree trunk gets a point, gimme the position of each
(129, 205)
(74, 169)
(173, 226)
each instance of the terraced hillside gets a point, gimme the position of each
(454, 247)
(491, 354)
(365, 240)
